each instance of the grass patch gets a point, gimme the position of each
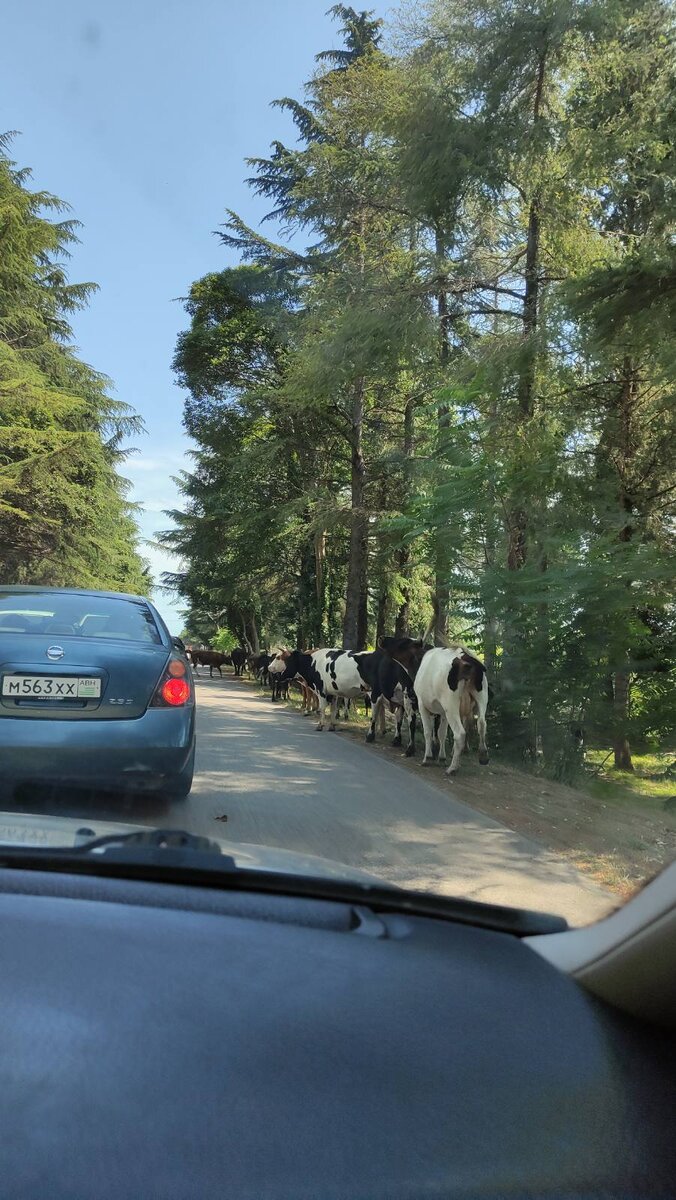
(649, 782)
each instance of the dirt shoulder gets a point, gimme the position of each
(619, 840)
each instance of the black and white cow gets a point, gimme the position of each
(332, 674)
(392, 685)
(449, 683)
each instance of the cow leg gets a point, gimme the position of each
(458, 730)
(399, 718)
(324, 702)
(428, 730)
(371, 735)
(220, 673)
(410, 749)
(441, 735)
(211, 670)
(334, 714)
(346, 710)
(482, 705)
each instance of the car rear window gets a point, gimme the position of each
(67, 614)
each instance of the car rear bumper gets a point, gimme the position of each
(142, 754)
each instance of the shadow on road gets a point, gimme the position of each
(281, 783)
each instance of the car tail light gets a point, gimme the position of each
(174, 689)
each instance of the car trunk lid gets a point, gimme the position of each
(72, 678)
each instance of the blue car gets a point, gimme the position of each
(94, 692)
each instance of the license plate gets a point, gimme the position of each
(51, 687)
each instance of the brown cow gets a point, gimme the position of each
(210, 659)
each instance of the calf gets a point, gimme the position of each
(280, 688)
(210, 659)
(450, 683)
(310, 697)
(239, 657)
(331, 674)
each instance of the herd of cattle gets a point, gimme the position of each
(446, 687)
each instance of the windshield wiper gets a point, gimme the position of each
(174, 856)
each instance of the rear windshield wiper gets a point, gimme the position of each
(174, 856)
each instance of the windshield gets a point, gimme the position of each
(345, 338)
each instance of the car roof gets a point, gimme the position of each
(74, 591)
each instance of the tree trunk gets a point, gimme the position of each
(356, 595)
(530, 310)
(403, 554)
(621, 712)
(255, 641)
(517, 552)
(334, 602)
(381, 617)
(621, 682)
(490, 640)
(440, 601)
(518, 728)
(363, 613)
(401, 621)
(319, 628)
(440, 598)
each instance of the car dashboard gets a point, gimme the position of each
(170, 1041)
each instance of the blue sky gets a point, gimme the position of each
(140, 115)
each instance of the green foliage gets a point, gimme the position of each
(459, 380)
(224, 640)
(64, 516)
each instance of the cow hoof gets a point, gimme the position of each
(319, 728)
(484, 760)
(451, 771)
(425, 762)
(396, 741)
(370, 737)
(409, 752)
(332, 729)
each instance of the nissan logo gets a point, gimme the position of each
(55, 653)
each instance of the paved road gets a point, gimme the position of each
(280, 783)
